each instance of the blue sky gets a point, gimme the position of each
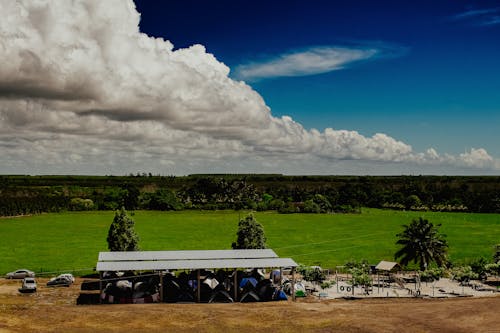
(237, 86)
(440, 89)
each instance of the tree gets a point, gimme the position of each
(413, 202)
(312, 273)
(121, 234)
(323, 203)
(164, 199)
(131, 197)
(250, 234)
(422, 244)
(360, 273)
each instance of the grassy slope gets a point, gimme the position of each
(67, 241)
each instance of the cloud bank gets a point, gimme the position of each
(82, 90)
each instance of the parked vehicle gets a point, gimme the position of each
(29, 285)
(59, 281)
(67, 276)
(20, 274)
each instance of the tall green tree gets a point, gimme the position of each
(121, 234)
(250, 234)
(423, 244)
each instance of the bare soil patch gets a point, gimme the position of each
(55, 310)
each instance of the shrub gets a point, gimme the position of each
(431, 274)
(463, 274)
(492, 269)
(311, 207)
(312, 273)
(79, 204)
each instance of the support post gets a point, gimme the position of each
(293, 284)
(378, 282)
(161, 286)
(235, 285)
(198, 285)
(100, 287)
(337, 280)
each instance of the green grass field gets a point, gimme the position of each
(71, 241)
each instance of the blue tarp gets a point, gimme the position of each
(250, 280)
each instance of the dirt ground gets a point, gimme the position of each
(55, 310)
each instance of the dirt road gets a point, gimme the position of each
(55, 309)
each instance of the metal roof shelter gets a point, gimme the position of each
(148, 265)
(186, 255)
(386, 265)
(192, 260)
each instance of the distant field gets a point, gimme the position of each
(71, 241)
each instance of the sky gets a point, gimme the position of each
(292, 87)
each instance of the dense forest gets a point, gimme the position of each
(21, 195)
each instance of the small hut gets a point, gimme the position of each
(386, 272)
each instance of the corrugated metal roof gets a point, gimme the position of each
(386, 265)
(186, 255)
(193, 264)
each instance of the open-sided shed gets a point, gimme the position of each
(161, 262)
(387, 266)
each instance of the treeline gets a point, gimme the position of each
(21, 195)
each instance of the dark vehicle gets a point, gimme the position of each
(59, 281)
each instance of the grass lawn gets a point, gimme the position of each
(71, 241)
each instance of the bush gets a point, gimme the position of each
(327, 284)
(463, 274)
(79, 204)
(288, 209)
(311, 207)
(492, 269)
(431, 274)
(312, 273)
(360, 272)
(362, 264)
(276, 204)
(478, 266)
(360, 277)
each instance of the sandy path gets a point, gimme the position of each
(54, 309)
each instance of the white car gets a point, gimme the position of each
(59, 281)
(20, 274)
(67, 276)
(29, 285)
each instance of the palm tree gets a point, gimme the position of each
(422, 243)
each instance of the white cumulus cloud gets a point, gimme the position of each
(82, 90)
